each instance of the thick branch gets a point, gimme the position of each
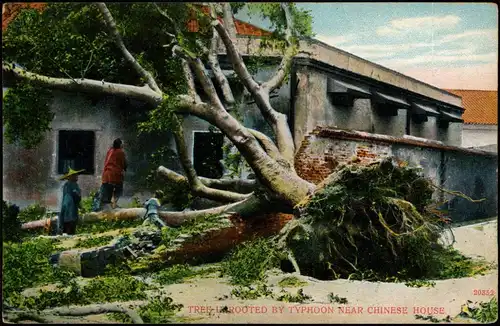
(278, 121)
(236, 58)
(188, 74)
(110, 22)
(228, 20)
(277, 80)
(82, 85)
(245, 207)
(197, 187)
(243, 186)
(267, 144)
(213, 61)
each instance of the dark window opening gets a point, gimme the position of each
(76, 150)
(343, 100)
(386, 110)
(207, 153)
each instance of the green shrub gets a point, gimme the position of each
(94, 241)
(98, 290)
(27, 264)
(250, 261)
(33, 212)
(159, 310)
(174, 274)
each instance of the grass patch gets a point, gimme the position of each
(334, 298)
(104, 226)
(420, 283)
(159, 310)
(98, 290)
(193, 227)
(433, 319)
(251, 292)
(479, 228)
(249, 262)
(291, 281)
(27, 265)
(180, 273)
(93, 241)
(299, 297)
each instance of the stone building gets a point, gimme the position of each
(327, 87)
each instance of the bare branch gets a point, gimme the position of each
(81, 85)
(164, 14)
(242, 186)
(110, 22)
(236, 58)
(249, 205)
(228, 20)
(197, 187)
(188, 74)
(213, 61)
(277, 80)
(266, 143)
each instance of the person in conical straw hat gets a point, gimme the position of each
(68, 216)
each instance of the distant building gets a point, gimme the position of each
(480, 129)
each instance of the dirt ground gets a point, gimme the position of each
(204, 297)
(445, 298)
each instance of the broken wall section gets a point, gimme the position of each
(474, 173)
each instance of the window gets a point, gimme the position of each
(207, 153)
(76, 150)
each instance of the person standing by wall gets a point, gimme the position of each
(115, 166)
(68, 216)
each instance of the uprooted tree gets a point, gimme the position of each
(145, 52)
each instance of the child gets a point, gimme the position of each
(68, 216)
(152, 206)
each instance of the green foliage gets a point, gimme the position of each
(484, 312)
(366, 215)
(250, 261)
(193, 227)
(291, 281)
(174, 274)
(420, 283)
(33, 212)
(159, 310)
(300, 297)
(104, 226)
(11, 226)
(93, 241)
(177, 194)
(251, 292)
(98, 290)
(26, 264)
(23, 125)
(334, 298)
(86, 204)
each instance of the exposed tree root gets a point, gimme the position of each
(48, 316)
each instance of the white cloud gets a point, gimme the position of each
(477, 76)
(336, 40)
(434, 58)
(461, 51)
(406, 25)
(491, 34)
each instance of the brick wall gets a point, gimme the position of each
(471, 172)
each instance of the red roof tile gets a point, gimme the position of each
(11, 9)
(481, 107)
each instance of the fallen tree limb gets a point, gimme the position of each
(239, 185)
(47, 316)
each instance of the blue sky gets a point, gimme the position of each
(449, 45)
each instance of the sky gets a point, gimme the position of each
(448, 45)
